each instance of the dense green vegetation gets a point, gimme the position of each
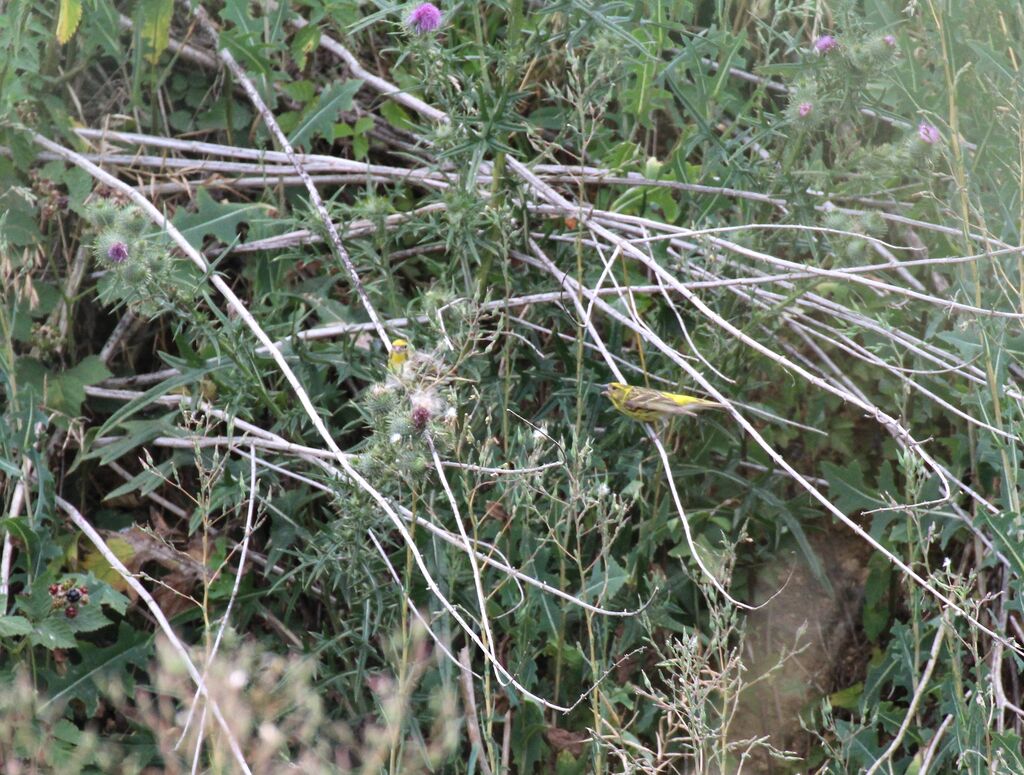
(214, 219)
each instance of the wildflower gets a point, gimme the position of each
(928, 133)
(420, 417)
(825, 43)
(117, 252)
(890, 41)
(804, 110)
(425, 18)
(237, 679)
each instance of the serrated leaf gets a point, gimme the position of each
(67, 20)
(90, 618)
(89, 370)
(154, 27)
(54, 632)
(221, 219)
(848, 488)
(67, 391)
(304, 42)
(11, 626)
(319, 118)
(97, 665)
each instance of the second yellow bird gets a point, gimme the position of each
(398, 356)
(647, 405)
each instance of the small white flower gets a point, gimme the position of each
(603, 489)
(270, 734)
(395, 438)
(451, 414)
(237, 679)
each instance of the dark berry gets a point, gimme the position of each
(71, 612)
(74, 595)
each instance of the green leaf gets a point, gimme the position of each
(54, 632)
(11, 626)
(397, 116)
(154, 27)
(82, 681)
(319, 118)
(875, 613)
(220, 219)
(848, 488)
(847, 698)
(67, 391)
(89, 618)
(187, 377)
(63, 391)
(604, 583)
(304, 42)
(67, 20)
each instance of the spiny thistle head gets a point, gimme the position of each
(825, 43)
(928, 134)
(425, 18)
(117, 252)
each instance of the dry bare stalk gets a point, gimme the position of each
(847, 345)
(611, 219)
(227, 611)
(412, 606)
(842, 381)
(882, 418)
(584, 314)
(802, 325)
(469, 701)
(872, 410)
(922, 687)
(158, 614)
(478, 585)
(314, 196)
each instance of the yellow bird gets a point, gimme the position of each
(647, 405)
(398, 356)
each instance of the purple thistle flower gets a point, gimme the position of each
(890, 41)
(825, 43)
(117, 253)
(928, 134)
(425, 18)
(804, 109)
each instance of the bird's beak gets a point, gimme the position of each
(606, 389)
